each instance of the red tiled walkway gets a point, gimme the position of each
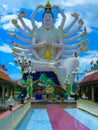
(61, 120)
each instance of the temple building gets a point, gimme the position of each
(89, 86)
(6, 84)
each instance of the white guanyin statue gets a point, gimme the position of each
(47, 47)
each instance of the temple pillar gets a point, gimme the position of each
(3, 91)
(92, 93)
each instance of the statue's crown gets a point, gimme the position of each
(48, 7)
(48, 4)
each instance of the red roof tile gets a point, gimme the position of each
(5, 77)
(90, 78)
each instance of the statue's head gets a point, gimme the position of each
(47, 20)
(47, 17)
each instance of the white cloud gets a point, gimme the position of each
(87, 9)
(5, 48)
(5, 22)
(11, 6)
(7, 18)
(91, 54)
(75, 3)
(85, 60)
(11, 63)
(58, 20)
(18, 67)
(8, 26)
(38, 23)
(15, 76)
(15, 71)
(5, 6)
(68, 20)
(27, 22)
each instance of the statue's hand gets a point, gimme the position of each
(50, 45)
(83, 34)
(84, 49)
(84, 43)
(80, 22)
(15, 50)
(21, 15)
(75, 15)
(11, 33)
(14, 21)
(38, 45)
(45, 44)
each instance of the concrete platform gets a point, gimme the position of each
(43, 104)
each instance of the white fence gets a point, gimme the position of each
(88, 106)
(10, 121)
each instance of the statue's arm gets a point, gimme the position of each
(20, 17)
(75, 15)
(36, 44)
(57, 45)
(19, 38)
(62, 13)
(19, 46)
(33, 15)
(59, 54)
(70, 51)
(80, 22)
(60, 46)
(75, 38)
(26, 51)
(35, 54)
(15, 23)
(80, 49)
(65, 56)
(82, 43)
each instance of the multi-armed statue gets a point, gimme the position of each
(47, 47)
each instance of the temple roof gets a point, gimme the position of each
(90, 78)
(4, 76)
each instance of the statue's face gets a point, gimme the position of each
(48, 20)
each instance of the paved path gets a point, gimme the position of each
(35, 119)
(61, 120)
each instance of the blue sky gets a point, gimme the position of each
(88, 11)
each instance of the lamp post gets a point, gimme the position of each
(22, 60)
(25, 64)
